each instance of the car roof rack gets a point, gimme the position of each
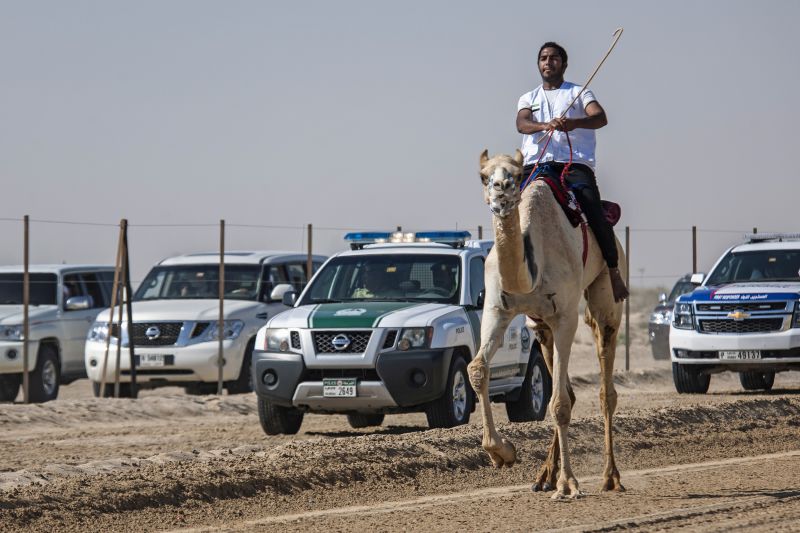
(764, 237)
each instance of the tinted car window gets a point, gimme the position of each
(43, 289)
(182, 282)
(95, 289)
(760, 265)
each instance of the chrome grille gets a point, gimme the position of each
(295, 340)
(323, 341)
(752, 306)
(753, 325)
(168, 336)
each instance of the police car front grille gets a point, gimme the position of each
(391, 336)
(752, 306)
(323, 341)
(754, 325)
(295, 340)
(168, 333)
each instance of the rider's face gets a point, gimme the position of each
(551, 66)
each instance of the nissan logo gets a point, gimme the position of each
(152, 333)
(341, 342)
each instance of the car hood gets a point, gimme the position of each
(748, 291)
(361, 315)
(12, 314)
(180, 310)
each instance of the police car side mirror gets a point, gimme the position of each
(289, 298)
(78, 303)
(480, 299)
(697, 278)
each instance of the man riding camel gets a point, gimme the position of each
(538, 113)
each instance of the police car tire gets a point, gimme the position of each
(277, 419)
(360, 420)
(125, 390)
(440, 413)
(757, 380)
(47, 369)
(244, 383)
(9, 387)
(523, 409)
(689, 380)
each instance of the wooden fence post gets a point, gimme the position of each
(221, 319)
(694, 249)
(26, 297)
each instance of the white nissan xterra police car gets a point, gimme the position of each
(744, 317)
(389, 327)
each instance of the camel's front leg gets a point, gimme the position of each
(561, 404)
(493, 327)
(546, 479)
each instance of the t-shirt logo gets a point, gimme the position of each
(536, 107)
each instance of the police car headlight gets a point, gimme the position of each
(11, 333)
(98, 333)
(414, 338)
(277, 340)
(660, 317)
(683, 316)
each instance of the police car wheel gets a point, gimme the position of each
(360, 420)
(277, 419)
(455, 405)
(535, 393)
(757, 380)
(46, 377)
(689, 380)
(244, 383)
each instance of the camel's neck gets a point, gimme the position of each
(514, 255)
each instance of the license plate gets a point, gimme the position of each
(151, 359)
(339, 387)
(740, 354)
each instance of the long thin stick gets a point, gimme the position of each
(115, 290)
(617, 35)
(26, 301)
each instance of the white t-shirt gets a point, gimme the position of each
(547, 105)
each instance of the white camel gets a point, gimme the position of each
(536, 268)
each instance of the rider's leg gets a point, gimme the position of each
(584, 184)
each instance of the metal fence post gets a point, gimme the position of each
(694, 249)
(126, 266)
(26, 296)
(480, 232)
(309, 262)
(221, 319)
(628, 299)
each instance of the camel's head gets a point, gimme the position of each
(501, 176)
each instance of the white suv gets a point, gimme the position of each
(744, 317)
(64, 300)
(175, 316)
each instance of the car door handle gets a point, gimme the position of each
(262, 316)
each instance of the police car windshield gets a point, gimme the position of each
(757, 266)
(406, 277)
(188, 282)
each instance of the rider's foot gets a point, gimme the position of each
(618, 285)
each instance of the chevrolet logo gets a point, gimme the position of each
(738, 314)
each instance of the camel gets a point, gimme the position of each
(536, 268)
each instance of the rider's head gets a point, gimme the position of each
(552, 62)
(374, 275)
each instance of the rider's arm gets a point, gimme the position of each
(595, 119)
(526, 124)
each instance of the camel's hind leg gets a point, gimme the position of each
(493, 327)
(604, 317)
(546, 479)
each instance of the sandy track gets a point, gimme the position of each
(229, 487)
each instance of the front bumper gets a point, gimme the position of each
(197, 362)
(399, 380)
(778, 349)
(11, 356)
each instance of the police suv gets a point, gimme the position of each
(389, 327)
(744, 317)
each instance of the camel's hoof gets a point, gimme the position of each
(541, 487)
(560, 495)
(503, 455)
(612, 486)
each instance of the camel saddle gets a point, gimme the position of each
(568, 203)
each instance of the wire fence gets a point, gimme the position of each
(39, 241)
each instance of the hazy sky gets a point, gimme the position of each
(373, 114)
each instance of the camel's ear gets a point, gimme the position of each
(518, 157)
(484, 157)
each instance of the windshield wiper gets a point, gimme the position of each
(325, 301)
